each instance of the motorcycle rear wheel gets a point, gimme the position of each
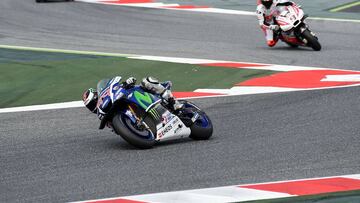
(142, 139)
(199, 131)
(202, 128)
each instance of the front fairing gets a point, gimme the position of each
(106, 89)
(290, 17)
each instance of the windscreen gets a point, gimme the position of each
(102, 84)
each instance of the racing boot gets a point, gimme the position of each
(173, 104)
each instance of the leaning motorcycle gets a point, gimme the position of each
(294, 31)
(143, 119)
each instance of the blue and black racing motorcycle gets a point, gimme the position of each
(142, 118)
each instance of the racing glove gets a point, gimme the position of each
(130, 82)
(274, 27)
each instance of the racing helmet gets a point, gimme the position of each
(267, 3)
(90, 99)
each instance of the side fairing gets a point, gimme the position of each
(143, 99)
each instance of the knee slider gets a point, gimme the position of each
(271, 43)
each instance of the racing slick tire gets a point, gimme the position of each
(199, 131)
(142, 139)
(202, 128)
(313, 42)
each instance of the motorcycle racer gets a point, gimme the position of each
(266, 11)
(94, 104)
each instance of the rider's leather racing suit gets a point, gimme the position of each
(266, 19)
(149, 84)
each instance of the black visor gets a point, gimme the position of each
(267, 4)
(92, 105)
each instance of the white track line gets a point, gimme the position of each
(176, 59)
(218, 10)
(211, 195)
(62, 105)
(247, 90)
(342, 78)
(335, 19)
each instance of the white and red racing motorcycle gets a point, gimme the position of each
(294, 31)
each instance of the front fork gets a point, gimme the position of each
(140, 124)
(301, 30)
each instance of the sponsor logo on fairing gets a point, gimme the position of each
(144, 100)
(166, 117)
(175, 121)
(154, 114)
(166, 130)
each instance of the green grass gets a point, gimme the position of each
(337, 197)
(38, 77)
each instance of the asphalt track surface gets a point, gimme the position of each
(59, 155)
(354, 9)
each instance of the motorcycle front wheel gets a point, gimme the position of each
(313, 42)
(141, 138)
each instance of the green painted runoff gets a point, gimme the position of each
(40, 77)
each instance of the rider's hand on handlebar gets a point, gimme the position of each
(274, 27)
(130, 82)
